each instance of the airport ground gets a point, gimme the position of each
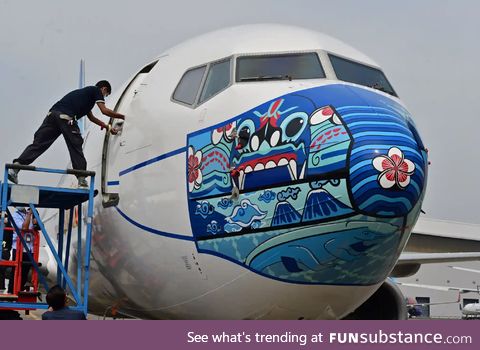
(36, 315)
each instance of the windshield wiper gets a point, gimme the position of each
(378, 86)
(266, 77)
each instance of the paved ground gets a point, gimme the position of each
(33, 315)
(36, 315)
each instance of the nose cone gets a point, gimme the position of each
(468, 309)
(330, 179)
(387, 160)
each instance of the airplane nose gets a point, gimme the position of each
(469, 308)
(330, 180)
(387, 162)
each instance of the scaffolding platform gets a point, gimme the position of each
(37, 197)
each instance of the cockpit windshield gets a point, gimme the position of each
(358, 73)
(279, 67)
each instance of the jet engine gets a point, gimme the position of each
(387, 303)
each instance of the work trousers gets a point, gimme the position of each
(52, 127)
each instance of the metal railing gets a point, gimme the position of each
(36, 197)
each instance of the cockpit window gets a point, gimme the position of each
(218, 78)
(279, 67)
(357, 73)
(187, 88)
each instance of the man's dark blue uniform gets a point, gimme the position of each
(63, 314)
(79, 102)
(62, 120)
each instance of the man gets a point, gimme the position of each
(6, 247)
(62, 119)
(23, 220)
(57, 299)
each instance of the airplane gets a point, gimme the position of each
(469, 311)
(262, 172)
(415, 309)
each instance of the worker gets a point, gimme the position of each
(62, 119)
(57, 300)
(6, 247)
(23, 221)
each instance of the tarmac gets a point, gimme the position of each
(36, 315)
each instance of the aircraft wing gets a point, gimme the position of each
(433, 235)
(433, 304)
(464, 269)
(414, 303)
(447, 229)
(430, 258)
(440, 288)
(438, 241)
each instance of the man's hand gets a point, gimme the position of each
(108, 112)
(110, 128)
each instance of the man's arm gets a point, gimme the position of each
(28, 218)
(108, 112)
(23, 223)
(101, 124)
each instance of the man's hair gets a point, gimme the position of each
(104, 83)
(56, 297)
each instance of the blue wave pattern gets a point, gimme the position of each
(313, 258)
(357, 251)
(375, 130)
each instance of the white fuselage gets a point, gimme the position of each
(169, 240)
(164, 277)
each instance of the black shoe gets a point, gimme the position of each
(13, 175)
(82, 183)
